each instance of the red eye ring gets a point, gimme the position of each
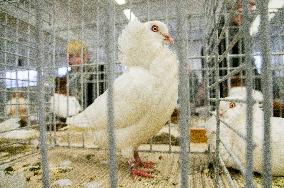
(155, 28)
(232, 105)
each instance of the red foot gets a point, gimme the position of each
(136, 172)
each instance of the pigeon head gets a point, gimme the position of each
(159, 32)
(230, 111)
(140, 43)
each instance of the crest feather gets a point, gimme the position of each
(136, 47)
(241, 93)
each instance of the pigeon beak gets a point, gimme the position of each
(168, 39)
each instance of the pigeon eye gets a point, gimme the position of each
(155, 28)
(232, 105)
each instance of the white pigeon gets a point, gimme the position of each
(144, 96)
(9, 129)
(20, 134)
(234, 114)
(58, 105)
(9, 124)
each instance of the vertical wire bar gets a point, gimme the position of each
(110, 34)
(5, 63)
(183, 89)
(240, 59)
(281, 71)
(97, 52)
(67, 57)
(82, 64)
(217, 95)
(28, 63)
(250, 101)
(16, 65)
(68, 140)
(267, 90)
(54, 67)
(170, 138)
(83, 139)
(215, 74)
(206, 81)
(148, 12)
(206, 67)
(227, 35)
(50, 69)
(41, 101)
(130, 8)
(167, 13)
(167, 23)
(148, 19)
(95, 66)
(188, 91)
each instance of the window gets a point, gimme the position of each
(23, 78)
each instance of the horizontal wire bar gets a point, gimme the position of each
(235, 55)
(20, 80)
(235, 131)
(20, 43)
(225, 53)
(30, 12)
(19, 91)
(140, 150)
(237, 70)
(225, 99)
(11, 53)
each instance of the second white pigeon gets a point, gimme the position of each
(234, 114)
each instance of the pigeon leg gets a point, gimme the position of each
(138, 161)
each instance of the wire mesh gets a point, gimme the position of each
(206, 78)
(250, 79)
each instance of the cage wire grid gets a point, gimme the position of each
(42, 46)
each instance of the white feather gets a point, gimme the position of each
(143, 97)
(241, 93)
(9, 124)
(21, 134)
(133, 38)
(236, 117)
(58, 105)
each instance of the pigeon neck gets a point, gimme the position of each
(165, 66)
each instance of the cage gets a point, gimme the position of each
(57, 57)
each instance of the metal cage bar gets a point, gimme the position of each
(110, 34)
(183, 90)
(266, 84)
(41, 99)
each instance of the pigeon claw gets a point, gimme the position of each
(142, 173)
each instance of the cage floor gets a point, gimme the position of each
(90, 165)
